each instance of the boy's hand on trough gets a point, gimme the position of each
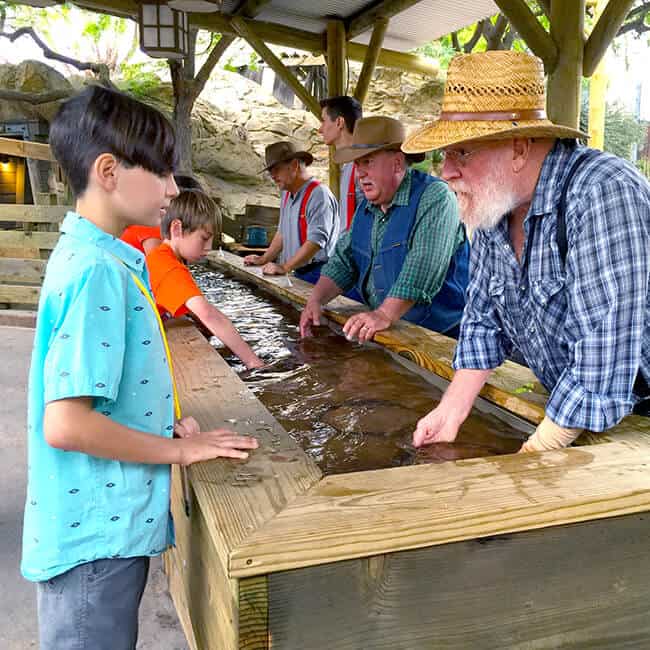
(186, 427)
(219, 443)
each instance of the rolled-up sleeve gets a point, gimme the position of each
(481, 344)
(607, 271)
(340, 267)
(436, 236)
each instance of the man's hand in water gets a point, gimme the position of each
(273, 269)
(365, 325)
(438, 425)
(310, 315)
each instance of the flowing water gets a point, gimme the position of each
(350, 407)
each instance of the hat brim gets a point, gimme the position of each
(349, 154)
(299, 155)
(444, 133)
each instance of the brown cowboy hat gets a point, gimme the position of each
(374, 134)
(280, 152)
(493, 95)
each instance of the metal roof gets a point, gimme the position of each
(420, 23)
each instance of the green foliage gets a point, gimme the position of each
(141, 79)
(441, 50)
(622, 131)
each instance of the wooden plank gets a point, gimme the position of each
(427, 349)
(34, 213)
(336, 86)
(19, 239)
(19, 294)
(20, 182)
(368, 17)
(369, 513)
(237, 498)
(571, 587)
(370, 62)
(25, 149)
(22, 271)
(603, 34)
(245, 30)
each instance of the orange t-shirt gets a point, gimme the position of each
(171, 281)
(135, 235)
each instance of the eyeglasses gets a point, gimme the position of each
(461, 156)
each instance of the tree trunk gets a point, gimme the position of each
(183, 103)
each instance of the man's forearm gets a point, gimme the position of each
(302, 256)
(274, 249)
(324, 290)
(395, 308)
(463, 390)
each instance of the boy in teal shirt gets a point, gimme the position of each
(101, 403)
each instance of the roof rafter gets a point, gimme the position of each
(366, 18)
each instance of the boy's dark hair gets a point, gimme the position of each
(343, 106)
(194, 209)
(185, 182)
(99, 120)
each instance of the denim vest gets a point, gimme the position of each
(444, 312)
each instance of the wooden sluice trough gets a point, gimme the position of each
(519, 551)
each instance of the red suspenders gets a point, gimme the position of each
(352, 197)
(302, 220)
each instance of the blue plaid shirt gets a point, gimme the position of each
(582, 326)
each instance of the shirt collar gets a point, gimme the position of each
(401, 196)
(80, 228)
(554, 169)
(302, 189)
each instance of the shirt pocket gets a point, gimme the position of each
(504, 303)
(549, 302)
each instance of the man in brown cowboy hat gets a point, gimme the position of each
(560, 270)
(406, 252)
(309, 222)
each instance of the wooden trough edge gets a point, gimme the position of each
(274, 513)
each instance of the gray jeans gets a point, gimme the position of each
(93, 606)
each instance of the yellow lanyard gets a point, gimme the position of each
(145, 292)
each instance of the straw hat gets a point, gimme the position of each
(491, 96)
(280, 152)
(374, 134)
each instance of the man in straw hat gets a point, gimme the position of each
(406, 252)
(309, 221)
(559, 273)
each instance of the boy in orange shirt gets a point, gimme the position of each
(188, 229)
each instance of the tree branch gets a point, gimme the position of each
(99, 69)
(208, 65)
(479, 30)
(34, 98)
(454, 41)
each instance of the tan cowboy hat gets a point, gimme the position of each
(374, 134)
(280, 152)
(491, 96)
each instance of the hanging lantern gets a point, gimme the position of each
(195, 6)
(163, 31)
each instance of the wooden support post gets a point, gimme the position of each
(374, 48)
(563, 89)
(336, 83)
(603, 33)
(531, 30)
(246, 32)
(20, 181)
(597, 89)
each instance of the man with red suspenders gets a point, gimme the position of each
(309, 218)
(339, 115)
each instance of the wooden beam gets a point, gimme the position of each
(531, 30)
(336, 85)
(248, 34)
(33, 213)
(603, 33)
(370, 62)
(565, 79)
(368, 18)
(15, 294)
(22, 270)
(20, 239)
(393, 59)
(25, 149)
(250, 8)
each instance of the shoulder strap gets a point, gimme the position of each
(302, 220)
(561, 238)
(352, 196)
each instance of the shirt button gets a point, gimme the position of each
(522, 287)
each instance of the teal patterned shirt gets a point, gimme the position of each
(96, 336)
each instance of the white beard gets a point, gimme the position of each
(491, 200)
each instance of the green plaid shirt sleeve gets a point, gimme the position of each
(340, 267)
(436, 235)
